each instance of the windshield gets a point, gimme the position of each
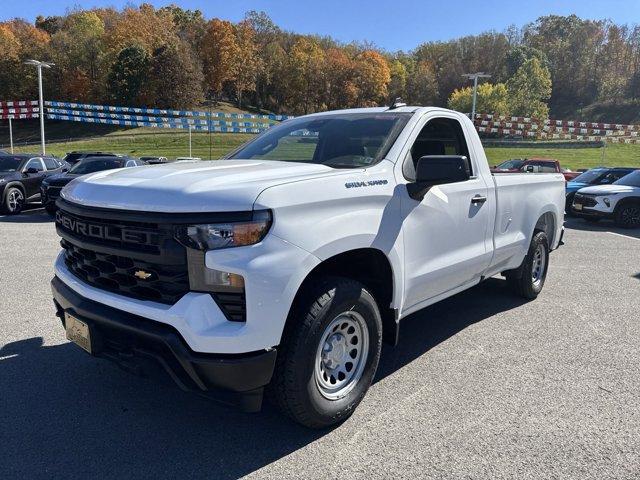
(631, 180)
(510, 165)
(590, 176)
(91, 165)
(10, 164)
(349, 140)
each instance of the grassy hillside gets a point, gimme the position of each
(172, 144)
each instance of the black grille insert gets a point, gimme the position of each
(127, 276)
(585, 200)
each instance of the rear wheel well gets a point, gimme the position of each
(368, 266)
(547, 224)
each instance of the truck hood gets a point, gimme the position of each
(210, 186)
(608, 189)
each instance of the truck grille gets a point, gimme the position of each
(127, 276)
(138, 259)
(585, 200)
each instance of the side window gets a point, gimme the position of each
(440, 136)
(35, 163)
(547, 167)
(51, 163)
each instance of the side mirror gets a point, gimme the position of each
(31, 170)
(438, 170)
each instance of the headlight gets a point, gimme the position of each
(213, 236)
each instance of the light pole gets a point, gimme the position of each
(11, 133)
(39, 66)
(475, 77)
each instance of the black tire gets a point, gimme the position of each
(51, 209)
(522, 278)
(13, 201)
(627, 215)
(567, 207)
(295, 388)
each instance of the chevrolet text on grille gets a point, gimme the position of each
(104, 232)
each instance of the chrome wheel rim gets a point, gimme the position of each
(341, 355)
(14, 200)
(538, 265)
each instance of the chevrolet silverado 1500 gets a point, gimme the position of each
(284, 266)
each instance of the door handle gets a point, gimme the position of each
(478, 199)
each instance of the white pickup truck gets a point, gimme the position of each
(284, 266)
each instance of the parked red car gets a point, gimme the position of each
(534, 165)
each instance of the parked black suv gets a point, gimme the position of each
(51, 187)
(21, 176)
(74, 157)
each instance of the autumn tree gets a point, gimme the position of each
(128, 75)
(78, 51)
(372, 76)
(218, 50)
(176, 77)
(305, 78)
(340, 88)
(143, 25)
(247, 64)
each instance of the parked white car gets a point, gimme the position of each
(619, 201)
(287, 264)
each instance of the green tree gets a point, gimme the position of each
(128, 75)
(529, 89)
(490, 98)
(422, 85)
(398, 83)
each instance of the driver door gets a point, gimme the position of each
(32, 181)
(445, 233)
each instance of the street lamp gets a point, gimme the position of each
(39, 66)
(475, 77)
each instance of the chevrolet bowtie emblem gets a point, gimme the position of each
(142, 275)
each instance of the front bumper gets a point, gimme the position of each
(591, 213)
(131, 341)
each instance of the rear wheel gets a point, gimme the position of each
(627, 215)
(13, 201)
(329, 355)
(528, 279)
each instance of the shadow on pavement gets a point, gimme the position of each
(31, 214)
(65, 415)
(601, 226)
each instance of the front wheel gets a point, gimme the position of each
(528, 279)
(13, 201)
(628, 215)
(329, 354)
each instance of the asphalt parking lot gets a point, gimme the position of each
(482, 385)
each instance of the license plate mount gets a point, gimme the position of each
(78, 332)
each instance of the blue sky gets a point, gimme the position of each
(393, 25)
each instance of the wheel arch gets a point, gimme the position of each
(371, 267)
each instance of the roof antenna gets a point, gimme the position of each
(397, 103)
